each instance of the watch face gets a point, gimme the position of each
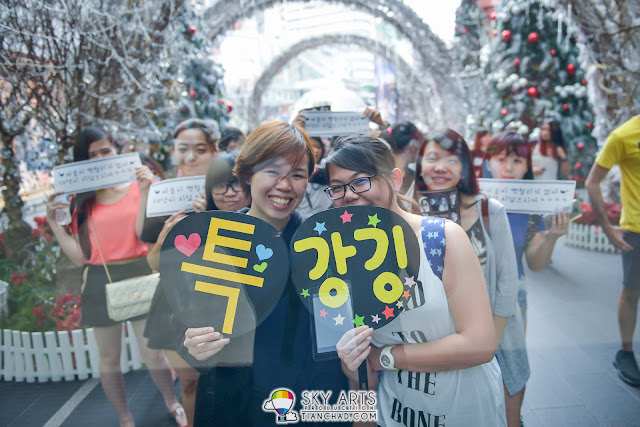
(385, 361)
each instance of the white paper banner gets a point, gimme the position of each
(90, 175)
(330, 123)
(172, 195)
(530, 196)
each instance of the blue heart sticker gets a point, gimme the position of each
(263, 252)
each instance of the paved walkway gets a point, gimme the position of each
(572, 337)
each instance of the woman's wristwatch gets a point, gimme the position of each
(386, 359)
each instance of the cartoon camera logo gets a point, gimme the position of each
(281, 402)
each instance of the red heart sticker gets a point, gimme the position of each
(187, 246)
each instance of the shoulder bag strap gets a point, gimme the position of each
(486, 220)
(90, 221)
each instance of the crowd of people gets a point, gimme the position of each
(473, 327)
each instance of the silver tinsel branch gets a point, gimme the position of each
(608, 34)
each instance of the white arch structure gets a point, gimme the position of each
(420, 99)
(434, 62)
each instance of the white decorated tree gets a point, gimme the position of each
(536, 74)
(73, 63)
(193, 83)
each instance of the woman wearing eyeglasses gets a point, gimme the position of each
(434, 364)
(223, 192)
(273, 167)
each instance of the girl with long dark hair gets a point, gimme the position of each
(104, 228)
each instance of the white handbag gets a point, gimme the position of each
(131, 297)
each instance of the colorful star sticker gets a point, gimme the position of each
(323, 313)
(409, 281)
(388, 312)
(407, 294)
(359, 320)
(346, 217)
(305, 293)
(373, 220)
(400, 304)
(320, 227)
(339, 319)
(375, 318)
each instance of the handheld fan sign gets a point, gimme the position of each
(221, 269)
(353, 266)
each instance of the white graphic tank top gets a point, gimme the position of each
(465, 397)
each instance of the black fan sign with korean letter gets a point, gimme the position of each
(354, 266)
(223, 269)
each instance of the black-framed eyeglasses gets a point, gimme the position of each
(358, 185)
(220, 189)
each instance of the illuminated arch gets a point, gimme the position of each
(420, 99)
(434, 58)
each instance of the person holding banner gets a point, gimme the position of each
(510, 158)
(273, 167)
(444, 163)
(222, 192)
(104, 230)
(435, 361)
(194, 148)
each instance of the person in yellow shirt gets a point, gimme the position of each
(623, 148)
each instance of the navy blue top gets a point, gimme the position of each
(518, 223)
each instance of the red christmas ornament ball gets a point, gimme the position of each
(455, 27)
(504, 112)
(584, 82)
(577, 165)
(580, 145)
(532, 92)
(553, 52)
(493, 15)
(589, 125)
(506, 35)
(229, 107)
(464, 30)
(192, 30)
(494, 32)
(192, 93)
(533, 38)
(571, 69)
(459, 11)
(516, 62)
(565, 107)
